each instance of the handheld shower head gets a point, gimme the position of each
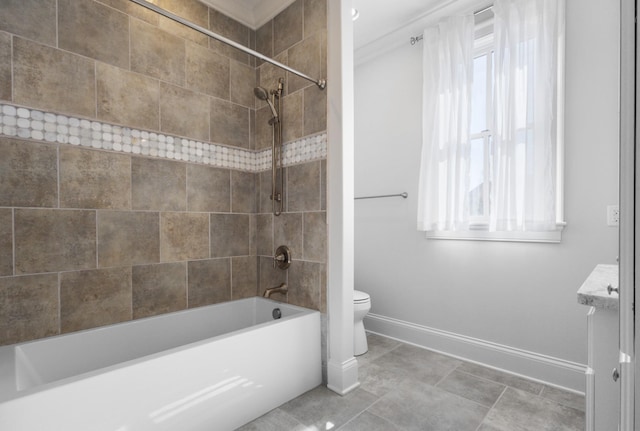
(262, 94)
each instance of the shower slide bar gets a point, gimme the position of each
(321, 83)
(403, 195)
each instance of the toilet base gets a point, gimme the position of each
(360, 346)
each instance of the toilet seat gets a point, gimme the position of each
(360, 297)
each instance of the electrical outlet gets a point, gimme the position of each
(613, 215)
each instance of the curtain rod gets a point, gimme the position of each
(321, 83)
(418, 38)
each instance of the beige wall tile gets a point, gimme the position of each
(323, 53)
(134, 10)
(315, 110)
(264, 227)
(253, 234)
(244, 276)
(243, 192)
(229, 124)
(184, 112)
(32, 19)
(264, 40)
(184, 236)
(304, 284)
(5, 67)
(315, 236)
(209, 282)
(323, 185)
(158, 185)
(156, 53)
(268, 277)
(292, 117)
(315, 16)
(128, 238)
(207, 71)
(263, 130)
(287, 230)
(6, 241)
(47, 78)
(193, 11)
(54, 240)
(94, 179)
(287, 27)
(323, 289)
(305, 57)
(243, 80)
(92, 29)
(28, 308)
(231, 29)
(127, 98)
(208, 189)
(269, 75)
(159, 289)
(28, 174)
(230, 235)
(94, 298)
(303, 187)
(264, 193)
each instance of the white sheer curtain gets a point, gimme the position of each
(523, 186)
(444, 172)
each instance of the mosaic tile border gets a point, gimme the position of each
(55, 128)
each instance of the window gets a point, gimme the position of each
(492, 120)
(480, 166)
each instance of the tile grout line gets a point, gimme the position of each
(492, 407)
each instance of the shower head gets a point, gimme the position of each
(262, 94)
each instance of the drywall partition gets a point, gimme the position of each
(510, 305)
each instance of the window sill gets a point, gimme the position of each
(505, 236)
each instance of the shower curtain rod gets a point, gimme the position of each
(321, 83)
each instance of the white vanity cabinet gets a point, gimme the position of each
(603, 393)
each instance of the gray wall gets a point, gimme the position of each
(520, 295)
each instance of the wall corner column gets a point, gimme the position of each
(342, 367)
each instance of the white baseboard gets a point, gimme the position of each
(343, 376)
(535, 366)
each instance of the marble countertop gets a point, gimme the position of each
(593, 291)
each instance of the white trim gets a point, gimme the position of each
(554, 236)
(345, 376)
(415, 25)
(342, 368)
(531, 365)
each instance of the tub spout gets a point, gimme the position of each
(279, 289)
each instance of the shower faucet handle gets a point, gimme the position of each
(282, 258)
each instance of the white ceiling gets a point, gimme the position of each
(252, 13)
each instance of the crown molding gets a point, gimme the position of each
(404, 31)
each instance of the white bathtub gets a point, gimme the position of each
(211, 368)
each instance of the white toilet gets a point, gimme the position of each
(361, 306)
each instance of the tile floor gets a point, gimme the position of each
(404, 387)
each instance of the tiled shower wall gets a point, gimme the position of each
(91, 237)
